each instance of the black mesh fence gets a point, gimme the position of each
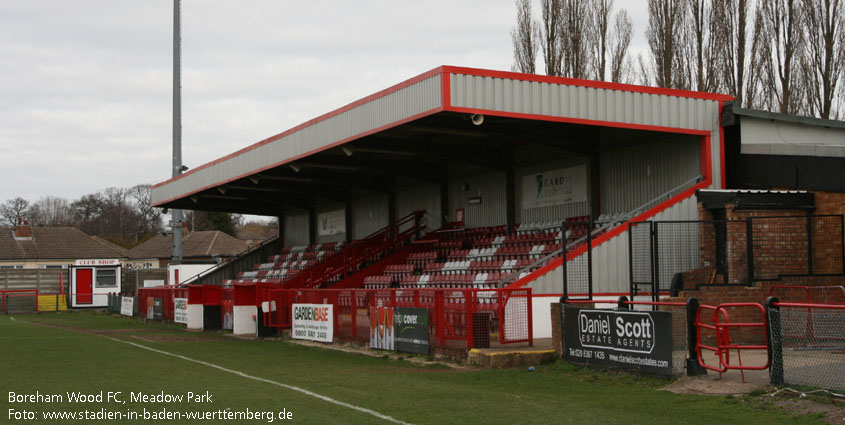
(673, 255)
(577, 260)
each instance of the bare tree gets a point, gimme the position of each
(823, 22)
(600, 37)
(621, 67)
(549, 35)
(781, 62)
(52, 211)
(699, 46)
(12, 209)
(142, 197)
(575, 34)
(665, 26)
(729, 29)
(524, 37)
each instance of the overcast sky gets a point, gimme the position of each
(85, 85)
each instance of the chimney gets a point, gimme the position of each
(23, 229)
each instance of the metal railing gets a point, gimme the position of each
(627, 216)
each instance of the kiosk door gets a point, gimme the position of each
(84, 286)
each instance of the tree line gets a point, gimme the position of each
(123, 216)
(784, 56)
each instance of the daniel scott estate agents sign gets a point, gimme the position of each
(627, 339)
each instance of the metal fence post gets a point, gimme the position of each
(775, 342)
(655, 262)
(749, 248)
(694, 368)
(590, 256)
(563, 263)
(810, 243)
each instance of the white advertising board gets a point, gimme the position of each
(314, 322)
(127, 304)
(555, 187)
(331, 223)
(180, 310)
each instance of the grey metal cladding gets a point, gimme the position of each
(296, 229)
(634, 175)
(590, 103)
(425, 198)
(369, 214)
(417, 98)
(490, 188)
(579, 102)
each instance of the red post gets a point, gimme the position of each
(530, 319)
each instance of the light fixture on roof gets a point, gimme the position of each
(477, 119)
(195, 198)
(348, 150)
(254, 179)
(222, 189)
(184, 167)
(295, 166)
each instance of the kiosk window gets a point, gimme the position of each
(106, 278)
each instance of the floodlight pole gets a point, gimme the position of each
(176, 214)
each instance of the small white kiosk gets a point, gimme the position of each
(92, 280)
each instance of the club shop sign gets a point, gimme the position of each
(631, 340)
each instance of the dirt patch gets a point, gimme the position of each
(831, 409)
(360, 349)
(709, 385)
(834, 412)
(189, 337)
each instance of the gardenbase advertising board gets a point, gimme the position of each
(314, 322)
(633, 340)
(180, 310)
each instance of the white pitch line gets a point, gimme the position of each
(256, 378)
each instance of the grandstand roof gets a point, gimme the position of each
(420, 131)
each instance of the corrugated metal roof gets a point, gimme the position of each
(466, 90)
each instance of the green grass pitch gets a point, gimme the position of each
(53, 354)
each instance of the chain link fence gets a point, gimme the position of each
(808, 345)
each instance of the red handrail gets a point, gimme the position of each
(349, 259)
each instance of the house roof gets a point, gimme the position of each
(54, 243)
(123, 251)
(197, 244)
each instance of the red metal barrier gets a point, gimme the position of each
(17, 293)
(721, 327)
(462, 318)
(350, 259)
(167, 293)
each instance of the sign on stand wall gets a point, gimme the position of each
(555, 187)
(411, 330)
(180, 310)
(634, 340)
(381, 328)
(399, 329)
(313, 322)
(127, 305)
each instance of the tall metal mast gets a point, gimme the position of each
(176, 214)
